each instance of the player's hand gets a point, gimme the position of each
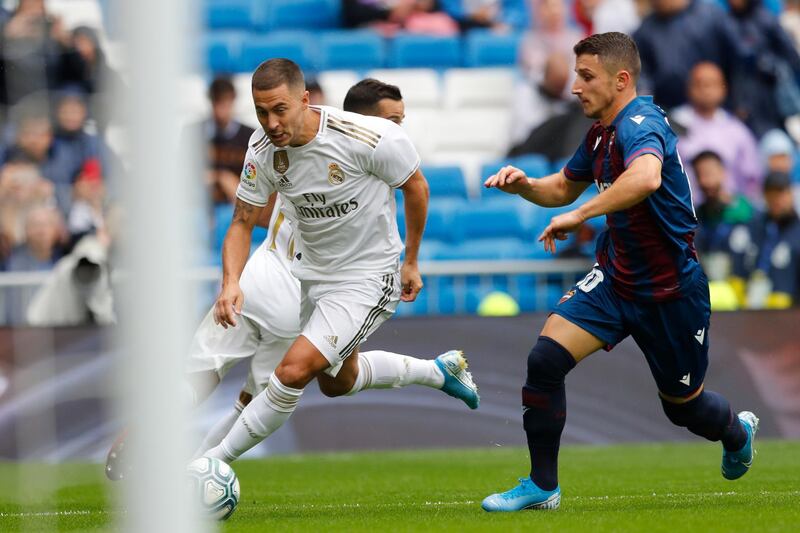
(558, 229)
(228, 306)
(410, 282)
(508, 179)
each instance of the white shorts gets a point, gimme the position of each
(337, 316)
(217, 349)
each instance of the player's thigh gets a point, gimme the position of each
(345, 314)
(674, 338)
(217, 349)
(270, 351)
(588, 317)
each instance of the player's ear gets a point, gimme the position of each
(306, 98)
(623, 79)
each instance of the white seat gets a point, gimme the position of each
(480, 87)
(194, 102)
(335, 84)
(419, 87)
(243, 109)
(477, 130)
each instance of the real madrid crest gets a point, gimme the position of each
(335, 174)
(280, 161)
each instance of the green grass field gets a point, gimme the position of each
(670, 487)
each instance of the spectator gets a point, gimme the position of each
(790, 20)
(777, 152)
(768, 250)
(721, 209)
(498, 15)
(756, 92)
(548, 35)
(675, 37)
(704, 125)
(59, 162)
(391, 16)
(227, 141)
(535, 103)
(32, 46)
(39, 251)
(91, 73)
(89, 195)
(22, 188)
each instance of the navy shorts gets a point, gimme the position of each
(673, 335)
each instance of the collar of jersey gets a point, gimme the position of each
(323, 117)
(629, 108)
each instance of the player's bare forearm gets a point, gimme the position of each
(236, 246)
(555, 190)
(415, 193)
(639, 181)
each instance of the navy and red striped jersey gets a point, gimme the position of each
(648, 249)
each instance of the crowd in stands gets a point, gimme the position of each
(726, 71)
(56, 185)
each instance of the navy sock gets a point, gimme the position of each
(710, 416)
(544, 404)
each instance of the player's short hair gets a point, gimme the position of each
(221, 87)
(615, 50)
(363, 97)
(702, 156)
(273, 73)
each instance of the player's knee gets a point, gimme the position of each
(293, 374)
(548, 364)
(681, 414)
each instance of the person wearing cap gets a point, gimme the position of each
(766, 252)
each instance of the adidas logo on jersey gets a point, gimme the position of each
(332, 340)
(284, 182)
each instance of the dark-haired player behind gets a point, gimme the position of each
(647, 282)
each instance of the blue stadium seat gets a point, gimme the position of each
(362, 49)
(223, 50)
(299, 46)
(446, 181)
(484, 221)
(279, 15)
(535, 165)
(558, 165)
(484, 249)
(424, 51)
(227, 14)
(485, 48)
(441, 213)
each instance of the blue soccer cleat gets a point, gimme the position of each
(736, 464)
(526, 495)
(457, 381)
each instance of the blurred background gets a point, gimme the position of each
(485, 83)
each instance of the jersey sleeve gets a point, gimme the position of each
(579, 166)
(643, 139)
(395, 159)
(254, 184)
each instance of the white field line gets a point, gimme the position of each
(435, 504)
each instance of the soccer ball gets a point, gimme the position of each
(216, 485)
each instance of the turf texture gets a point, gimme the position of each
(664, 487)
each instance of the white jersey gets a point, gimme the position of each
(340, 185)
(272, 293)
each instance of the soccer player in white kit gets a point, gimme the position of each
(269, 322)
(337, 171)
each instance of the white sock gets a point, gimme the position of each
(386, 370)
(219, 430)
(262, 416)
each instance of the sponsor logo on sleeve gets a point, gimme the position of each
(248, 178)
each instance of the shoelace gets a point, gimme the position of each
(518, 490)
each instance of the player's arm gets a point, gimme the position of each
(554, 190)
(235, 250)
(641, 179)
(415, 195)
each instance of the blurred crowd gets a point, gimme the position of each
(56, 171)
(727, 72)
